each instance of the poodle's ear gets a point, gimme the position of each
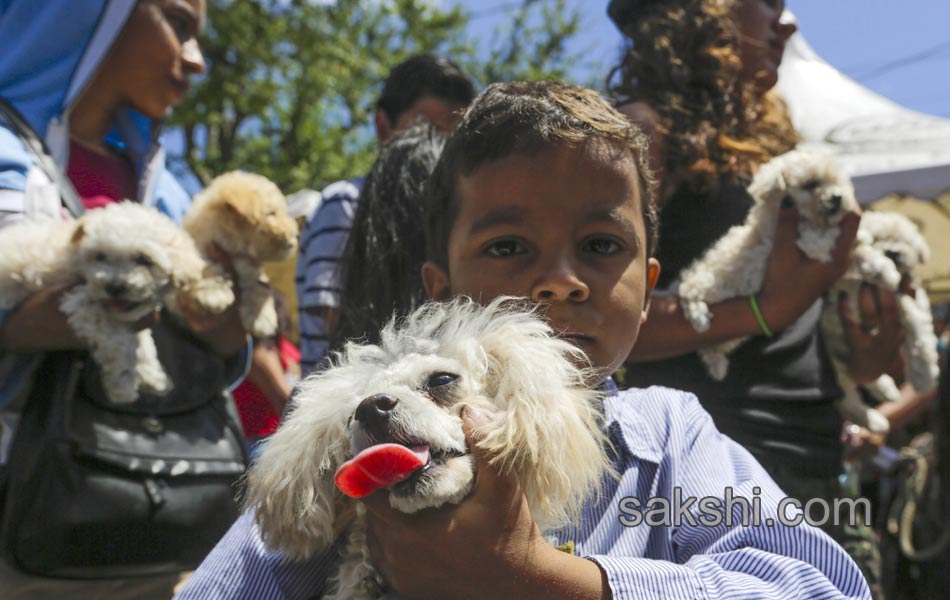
(78, 233)
(291, 489)
(769, 185)
(545, 422)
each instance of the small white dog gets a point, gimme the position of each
(889, 248)
(898, 238)
(503, 360)
(735, 265)
(245, 215)
(867, 265)
(125, 258)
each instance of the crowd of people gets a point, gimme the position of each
(591, 207)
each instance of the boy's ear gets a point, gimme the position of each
(384, 129)
(653, 274)
(436, 281)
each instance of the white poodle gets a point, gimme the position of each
(245, 216)
(867, 265)
(542, 423)
(890, 247)
(898, 238)
(735, 265)
(124, 260)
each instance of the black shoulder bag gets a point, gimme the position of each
(98, 490)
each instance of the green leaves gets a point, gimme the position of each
(291, 85)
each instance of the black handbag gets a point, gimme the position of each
(98, 490)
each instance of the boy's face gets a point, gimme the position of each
(563, 227)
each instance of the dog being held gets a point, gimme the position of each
(734, 266)
(901, 241)
(889, 248)
(868, 265)
(123, 259)
(542, 423)
(245, 216)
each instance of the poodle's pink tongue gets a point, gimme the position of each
(378, 467)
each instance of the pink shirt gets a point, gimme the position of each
(100, 179)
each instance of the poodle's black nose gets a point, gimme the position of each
(375, 411)
(115, 289)
(836, 202)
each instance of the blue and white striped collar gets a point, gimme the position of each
(630, 435)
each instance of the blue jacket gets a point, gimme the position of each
(48, 55)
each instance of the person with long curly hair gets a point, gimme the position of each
(698, 77)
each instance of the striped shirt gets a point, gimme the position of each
(664, 442)
(318, 276)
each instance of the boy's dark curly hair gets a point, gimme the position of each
(682, 59)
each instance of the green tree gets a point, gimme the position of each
(291, 83)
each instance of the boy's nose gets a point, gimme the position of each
(560, 283)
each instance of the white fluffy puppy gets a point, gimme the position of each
(898, 238)
(502, 359)
(890, 248)
(735, 265)
(245, 216)
(867, 265)
(124, 258)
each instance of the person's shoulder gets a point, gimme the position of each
(347, 190)
(654, 418)
(336, 210)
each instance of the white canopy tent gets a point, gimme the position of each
(887, 149)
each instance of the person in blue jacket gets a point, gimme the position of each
(84, 88)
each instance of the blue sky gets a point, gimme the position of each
(898, 49)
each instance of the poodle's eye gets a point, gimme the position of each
(100, 257)
(440, 379)
(142, 260)
(811, 186)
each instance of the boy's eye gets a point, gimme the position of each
(504, 248)
(603, 246)
(180, 25)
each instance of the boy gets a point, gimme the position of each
(543, 192)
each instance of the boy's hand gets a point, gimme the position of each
(487, 546)
(875, 341)
(793, 281)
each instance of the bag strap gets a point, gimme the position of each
(42, 157)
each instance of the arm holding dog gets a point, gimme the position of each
(38, 325)
(793, 282)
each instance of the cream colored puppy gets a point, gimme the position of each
(245, 216)
(124, 260)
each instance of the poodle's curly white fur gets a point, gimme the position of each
(245, 216)
(542, 422)
(735, 265)
(889, 249)
(121, 260)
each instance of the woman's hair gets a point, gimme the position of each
(682, 59)
(385, 250)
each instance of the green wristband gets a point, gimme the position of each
(758, 316)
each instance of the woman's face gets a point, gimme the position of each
(155, 55)
(762, 38)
